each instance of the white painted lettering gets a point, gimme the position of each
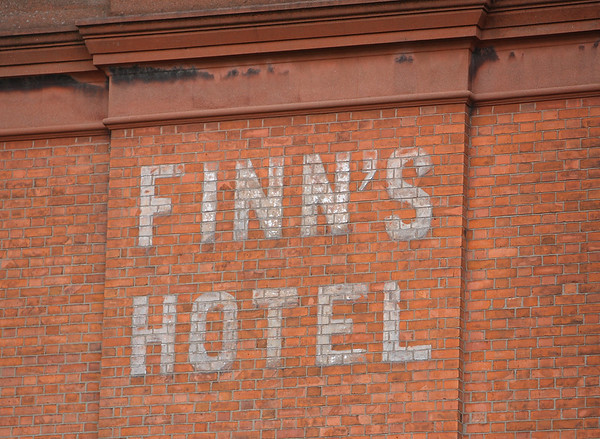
(392, 351)
(400, 190)
(370, 167)
(141, 335)
(316, 191)
(209, 202)
(249, 194)
(274, 299)
(150, 205)
(198, 355)
(328, 326)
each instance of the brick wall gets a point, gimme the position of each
(532, 299)
(137, 301)
(301, 391)
(53, 197)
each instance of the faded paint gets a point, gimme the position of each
(199, 357)
(209, 202)
(404, 192)
(392, 351)
(318, 196)
(275, 300)
(370, 167)
(142, 336)
(328, 326)
(249, 194)
(150, 205)
(316, 191)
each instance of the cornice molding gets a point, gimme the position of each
(287, 12)
(52, 132)
(465, 98)
(359, 104)
(510, 19)
(288, 28)
(44, 53)
(295, 58)
(227, 33)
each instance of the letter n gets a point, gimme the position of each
(249, 194)
(316, 191)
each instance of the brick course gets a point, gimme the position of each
(319, 219)
(365, 398)
(532, 291)
(52, 243)
(503, 287)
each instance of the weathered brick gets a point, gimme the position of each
(500, 289)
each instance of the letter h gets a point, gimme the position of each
(141, 335)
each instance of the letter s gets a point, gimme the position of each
(400, 190)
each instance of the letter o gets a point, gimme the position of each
(198, 355)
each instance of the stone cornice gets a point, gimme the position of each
(295, 58)
(509, 19)
(251, 32)
(54, 131)
(44, 53)
(357, 104)
(316, 25)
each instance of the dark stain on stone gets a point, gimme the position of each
(400, 59)
(581, 47)
(270, 69)
(512, 55)
(153, 74)
(39, 82)
(205, 75)
(251, 72)
(232, 74)
(480, 56)
(595, 46)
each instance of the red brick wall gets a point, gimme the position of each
(503, 286)
(298, 398)
(53, 197)
(533, 292)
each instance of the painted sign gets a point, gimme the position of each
(320, 196)
(274, 299)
